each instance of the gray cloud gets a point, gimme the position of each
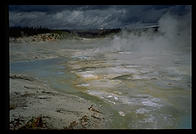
(81, 17)
(76, 18)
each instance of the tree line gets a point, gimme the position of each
(27, 31)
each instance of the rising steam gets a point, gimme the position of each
(174, 33)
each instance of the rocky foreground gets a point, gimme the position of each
(34, 105)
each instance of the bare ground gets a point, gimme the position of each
(34, 105)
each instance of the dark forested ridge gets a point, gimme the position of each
(30, 31)
(26, 31)
(93, 33)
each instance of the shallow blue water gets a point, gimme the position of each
(28, 66)
(186, 122)
(52, 71)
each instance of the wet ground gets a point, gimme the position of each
(151, 90)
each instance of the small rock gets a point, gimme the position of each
(116, 98)
(96, 117)
(84, 121)
(42, 97)
(72, 124)
(121, 113)
(12, 106)
(92, 109)
(169, 84)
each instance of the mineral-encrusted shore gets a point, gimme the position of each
(35, 105)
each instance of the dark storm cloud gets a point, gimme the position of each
(85, 16)
(54, 8)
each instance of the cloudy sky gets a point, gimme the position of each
(90, 16)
